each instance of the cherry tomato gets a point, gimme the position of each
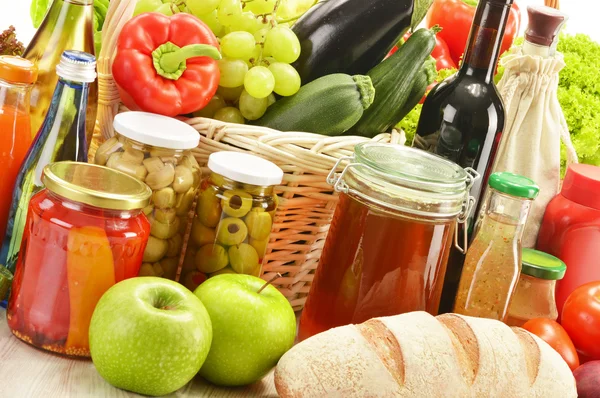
(581, 319)
(556, 337)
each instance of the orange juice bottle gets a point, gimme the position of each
(17, 76)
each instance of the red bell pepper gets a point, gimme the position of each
(456, 17)
(166, 65)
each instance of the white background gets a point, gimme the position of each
(582, 13)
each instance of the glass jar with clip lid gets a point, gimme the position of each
(390, 237)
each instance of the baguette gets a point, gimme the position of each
(418, 355)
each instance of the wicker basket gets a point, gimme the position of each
(307, 201)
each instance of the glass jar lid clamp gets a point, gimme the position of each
(424, 184)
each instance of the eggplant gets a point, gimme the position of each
(352, 36)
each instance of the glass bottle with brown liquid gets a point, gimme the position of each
(68, 25)
(463, 116)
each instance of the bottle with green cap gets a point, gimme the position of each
(493, 262)
(535, 293)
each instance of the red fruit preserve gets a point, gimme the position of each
(388, 244)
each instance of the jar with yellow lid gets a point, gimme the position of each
(85, 232)
(535, 293)
(156, 149)
(233, 220)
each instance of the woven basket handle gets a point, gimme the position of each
(553, 3)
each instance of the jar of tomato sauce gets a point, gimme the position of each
(571, 229)
(388, 244)
(85, 232)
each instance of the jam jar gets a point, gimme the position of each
(85, 232)
(233, 219)
(535, 293)
(156, 149)
(392, 230)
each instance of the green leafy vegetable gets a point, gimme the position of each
(9, 45)
(37, 10)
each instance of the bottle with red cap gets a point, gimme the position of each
(571, 229)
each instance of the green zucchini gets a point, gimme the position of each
(393, 80)
(424, 78)
(329, 105)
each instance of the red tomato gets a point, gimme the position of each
(455, 18)
(581, 319)
(556, 336)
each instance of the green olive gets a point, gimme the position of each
(189, 261)
(244, 259)
(175, 243)
(164, 230)
(153, 165)
(260, 246)
(148, 209)
(162, 178)
(208, 208)
(193, 279)
(155, 250)
(158, 270)
(105, 150)
(146, 270)
(165, 216)
(133, 156)
(259, 224)
(183, 224)
(272, 207)
(184, 202)
(164, 198)
(231, 231)
(202, 235)
(226, 270)
(184, 179)
(211, 258)
(169, 266)
(236, 203)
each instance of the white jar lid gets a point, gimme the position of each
(156, 130)
(245, 168)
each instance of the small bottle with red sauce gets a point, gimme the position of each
(493, 263)
(85, 232)
(388, 244)
(571, 229)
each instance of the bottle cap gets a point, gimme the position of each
(544, 25)
(542, 265)
(96, 186)
(582, 184)
(156, 130)
(77, 66)
(514, 185)
(245, 168)
(17, 70)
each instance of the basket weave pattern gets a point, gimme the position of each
(306, 203)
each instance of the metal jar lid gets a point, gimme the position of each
(407, 180)
(96, 186)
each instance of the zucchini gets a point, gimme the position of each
(329, 105)
(424, 78)
(393, 80)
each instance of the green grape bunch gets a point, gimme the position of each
(258, 49)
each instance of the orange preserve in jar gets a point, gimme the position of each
(85, 232)
(388, 244)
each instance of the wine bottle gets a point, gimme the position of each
(61, 137)
(463, 117)
(68, 25)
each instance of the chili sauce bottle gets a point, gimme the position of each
(463, 116)
(61, 137)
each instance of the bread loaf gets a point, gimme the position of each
(418, 355)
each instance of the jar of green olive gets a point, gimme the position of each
(233, 218)
(157, 150)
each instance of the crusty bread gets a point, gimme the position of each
(418, 355)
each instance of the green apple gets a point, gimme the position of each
(251, 330)
(149, 335)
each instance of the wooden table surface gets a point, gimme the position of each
(28, 372)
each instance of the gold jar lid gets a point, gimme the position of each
(96, 186)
